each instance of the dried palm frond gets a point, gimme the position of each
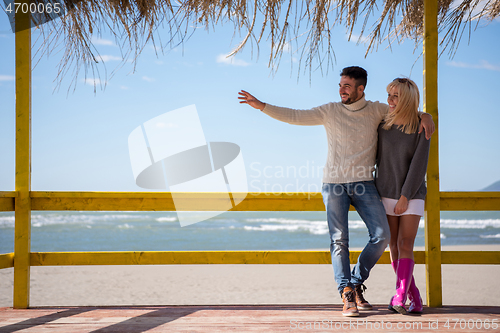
(306, 25)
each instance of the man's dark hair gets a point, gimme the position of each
(357, 73)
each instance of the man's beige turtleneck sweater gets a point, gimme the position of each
(351, 130)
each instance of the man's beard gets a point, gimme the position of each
(351, 99)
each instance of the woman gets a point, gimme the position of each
(401, 165)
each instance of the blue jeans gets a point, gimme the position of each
(365, 198)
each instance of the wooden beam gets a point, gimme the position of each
(195, 258)
(470, 257)
(22, 241)
(162, 201)
(7, 201)
(465, 201)
(6, 260)
(231, 257)
(432, 215)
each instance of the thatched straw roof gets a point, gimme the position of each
(305, 24)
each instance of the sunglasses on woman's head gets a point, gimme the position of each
(402, 80)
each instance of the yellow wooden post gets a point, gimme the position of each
(433, 212)
(23, 161)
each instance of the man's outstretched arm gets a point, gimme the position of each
(311, 117)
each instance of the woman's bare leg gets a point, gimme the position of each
(407, 231)
(393, 243)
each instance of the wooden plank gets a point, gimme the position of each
(470, 257)
(22, 241)
(432, 216)
(162, 201)
(8, 194)
(7, 201)
(7, 204)
(474, 195)
(247, 318)
(107, 204)
(179, 258)
(6, 260)
(120, 195)
(195, 257)
(465, 201)
(237, 257)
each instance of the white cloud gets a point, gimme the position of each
(124, 87)
(149, 79)
(355, 38)
(186, 64)
(7, 77)
(482, 65)
(158, 62)
(106, 58)
(223, 59)
(157, 49)
(94, 81)
(100, 41)
(287, 48)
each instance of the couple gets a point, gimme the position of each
(353, 128)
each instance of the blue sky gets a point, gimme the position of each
(79, 139)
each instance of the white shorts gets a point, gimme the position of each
(415, 207)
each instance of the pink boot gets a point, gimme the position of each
(416, 304)
(404, 275)
(395, 267)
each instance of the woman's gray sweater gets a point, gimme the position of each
(401, 163)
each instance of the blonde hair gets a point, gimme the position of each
(406, 111)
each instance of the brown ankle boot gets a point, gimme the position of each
(350, 309)
(361, 302)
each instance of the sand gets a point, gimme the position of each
(237, 284)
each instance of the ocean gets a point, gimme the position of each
(160, 231)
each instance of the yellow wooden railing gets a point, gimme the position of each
(154, 201)
(23, 200)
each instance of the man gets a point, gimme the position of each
(351, 128)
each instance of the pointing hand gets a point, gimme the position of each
(249, 99)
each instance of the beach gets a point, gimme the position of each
(238, 284)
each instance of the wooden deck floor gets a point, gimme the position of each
(245, 318)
